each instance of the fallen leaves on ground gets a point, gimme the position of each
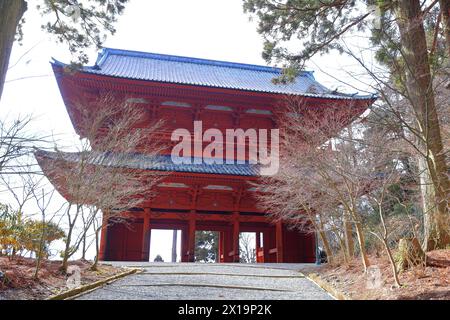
(422, 283)
(18, 282)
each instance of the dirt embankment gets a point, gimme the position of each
(423, 283)
(18, 283)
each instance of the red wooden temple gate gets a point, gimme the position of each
(211, 197)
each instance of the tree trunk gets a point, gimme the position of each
(392, 262)
(94, 266)
(445, 11)
(326, 247)
(362, 246)
(40, 252)
(348, 236)
(83, 249)
(11, 12)
(174, 245)
(66, 253)
(325, 242)
(409, 254)
(420, 93)
(65, 260)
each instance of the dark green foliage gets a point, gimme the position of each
(206, 246)
(316, 25)
(81, 24)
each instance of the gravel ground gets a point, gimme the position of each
(188, 281)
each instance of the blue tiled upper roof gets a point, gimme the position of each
(145, 162)
(203, 72)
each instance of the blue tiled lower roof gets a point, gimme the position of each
(145, 162)
(203, 72)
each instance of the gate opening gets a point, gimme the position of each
(247, 247)
(165, 245)
(206, 246)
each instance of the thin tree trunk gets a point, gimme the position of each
(65, 261)
(83, 249)
(420, 89)
(384, 239)
(362, 245)
(348, 236)
(11, 12)
(343, 247)
(41, 250)
(326, 246)
(174, 245)
(97, 250)
(392, 262)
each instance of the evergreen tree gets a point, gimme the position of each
(206, 246)
(78, 23)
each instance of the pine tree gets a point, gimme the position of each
(79, 24)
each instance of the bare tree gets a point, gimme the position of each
(326, 169)
(410, 44)
(48, 229)
(98, 178)
(17, 142)
(246, 249)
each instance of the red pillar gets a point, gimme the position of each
(191, 237)
(236, 237)
(184, 244)
(279, 241)
(103, 237)
(146, 235)
(259, 249)
(258, 240)
(228, 245)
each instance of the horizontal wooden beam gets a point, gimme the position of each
(198, 217)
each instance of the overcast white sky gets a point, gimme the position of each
(212, 29)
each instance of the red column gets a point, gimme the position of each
(236, 237)
(258, 240)
(103, 237)
(184, 244)
(191, 239)
(259, 249)
(279, 241)
(228, 244)
(146, 235)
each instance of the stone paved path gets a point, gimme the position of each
(188, 281)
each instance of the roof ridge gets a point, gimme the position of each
(168, 57)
